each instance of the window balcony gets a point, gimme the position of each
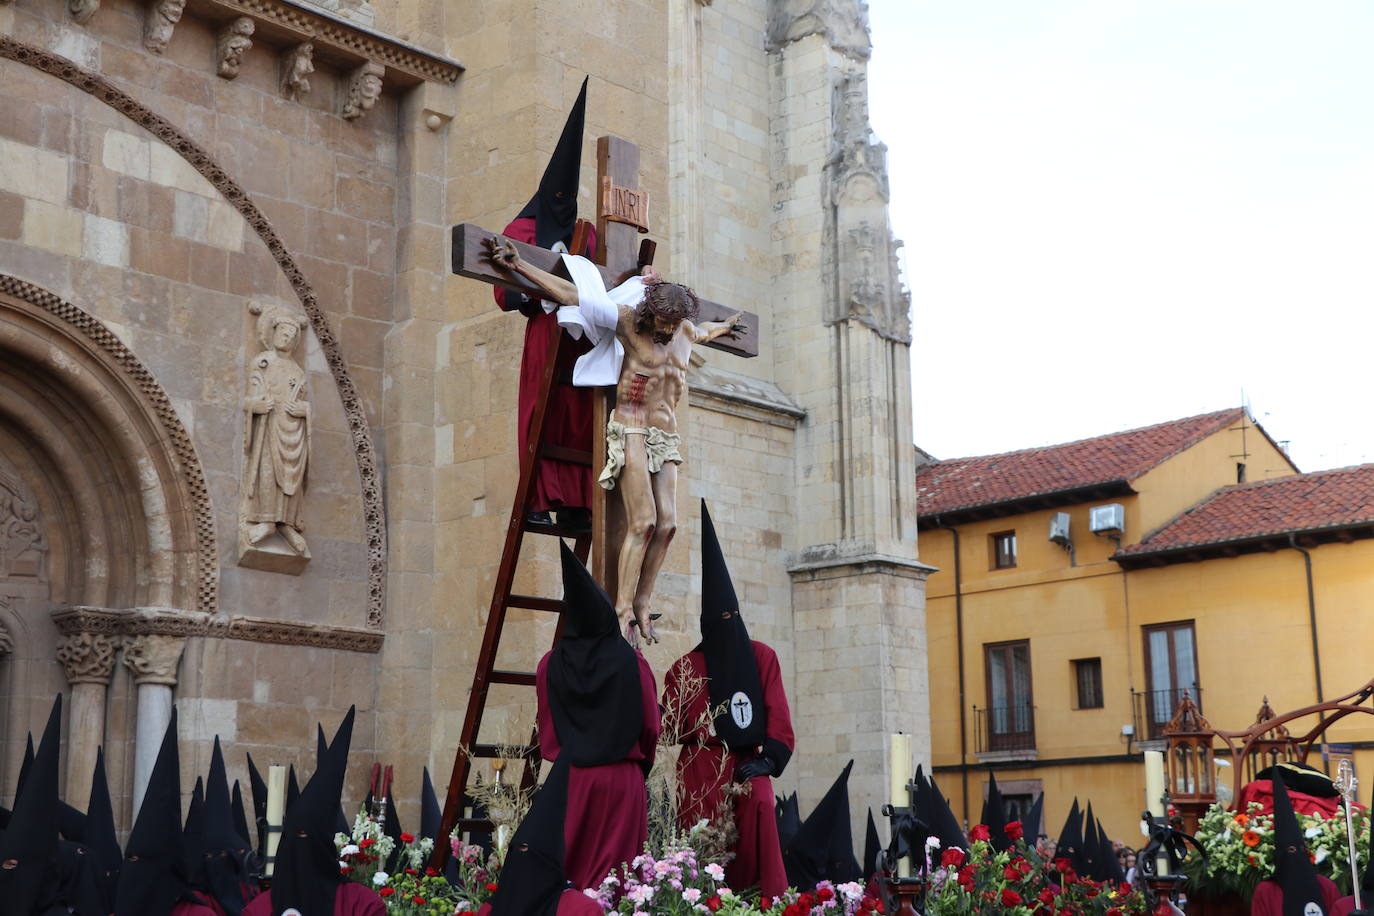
(1153, 709)
(1004, 732)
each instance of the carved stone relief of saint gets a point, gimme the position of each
(276, 444)
(22, 544)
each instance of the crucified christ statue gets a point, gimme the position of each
(642, 334)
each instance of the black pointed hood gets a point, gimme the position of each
(871, 846)
(554, 206)
(226, 859)
(26, 764)
(1091, 848)
(1034, 819)
(153, 877)
(240, 815)
(293, 788)
(533, 879)
(100, 836)
(1293, 868)
(1071, 836)
(995, 816)
(431, 815)
(258, 786)
(78, 880)
(306, 875)
(594, 689)
(789, 820)
(193, 835)
(732, 669)
(938, 814)
(823, 849)
(33, 884)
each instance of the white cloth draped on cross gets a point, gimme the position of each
(596, 315)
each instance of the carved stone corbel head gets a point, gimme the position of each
(162, 21)
(364, 89)
(298, 63)
(82, 10)
(233, 42)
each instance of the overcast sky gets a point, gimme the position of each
(1119, 213)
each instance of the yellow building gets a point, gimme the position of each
(1083, 587)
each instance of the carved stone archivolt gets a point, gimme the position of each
(843, 24)
(276, 445)
(6, 641)
(234, 194)
(23, 546)
(87, 658)
(364, 89)
(153, 659)
(232, 42)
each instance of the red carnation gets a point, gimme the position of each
(363, 844)
(1046, 896)
(806, 901)
(713, 903)
(491, 888)
(1010, 873)
(386, 892)
(1023, 866)
(793, 910)
(952, 857)
(980, 832)
(1010, 897)
(824, 893)
(418, 899)
(1013, 830)
(407, 838)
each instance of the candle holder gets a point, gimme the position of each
(1163, 893)
(907, 894)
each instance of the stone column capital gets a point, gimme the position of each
(153, 659)
(87, 658)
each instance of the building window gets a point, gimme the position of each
(1004, 550)
(1010, 712)
(1087, 675)
(1170, 669)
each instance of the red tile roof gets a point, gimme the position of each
(1321, 501)
(965, 483)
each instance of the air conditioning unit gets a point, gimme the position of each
(1059, 529)
(1108, 519)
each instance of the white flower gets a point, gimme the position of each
(691, 895)
(380, 878)
(932, 842)
(724, 893)
(1311, 832)
(350, 850)
(343, 864)
(715, 871)
(1321, 855)
(591, 892)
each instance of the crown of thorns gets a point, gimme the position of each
(671, 300)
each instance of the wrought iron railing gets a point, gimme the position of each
(1154, 708)
(1004, 728)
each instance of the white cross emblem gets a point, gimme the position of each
(742, 710)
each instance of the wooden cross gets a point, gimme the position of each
(622, 213)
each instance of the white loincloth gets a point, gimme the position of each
(596, 314)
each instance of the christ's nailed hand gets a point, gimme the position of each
(501, 252)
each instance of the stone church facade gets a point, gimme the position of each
(257, 445)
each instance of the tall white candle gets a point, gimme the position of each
(899, 771)
(1154, 796)
(276, 807)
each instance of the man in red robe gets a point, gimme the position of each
(751, 739)
(597, 707)
(548, 221)
(306, 876)
(1296, 889)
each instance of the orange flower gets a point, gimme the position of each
(1242, 819)
(1250, 838)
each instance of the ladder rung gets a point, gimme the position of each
(523, 678)
(562, 531)
(530, 602)
(570, 455)
(508, 752)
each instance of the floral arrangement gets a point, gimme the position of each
(1240, 849)
(412, 888)
(1018, 882)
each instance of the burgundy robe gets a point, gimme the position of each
(572, 903)
(569, 419)
(187, 908)
(352, 900)
(1268, 899)
(607, 822)
(702, 774)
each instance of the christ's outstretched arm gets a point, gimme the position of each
(505, 256)
(708, 331)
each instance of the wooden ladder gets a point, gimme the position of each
(503, 598)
